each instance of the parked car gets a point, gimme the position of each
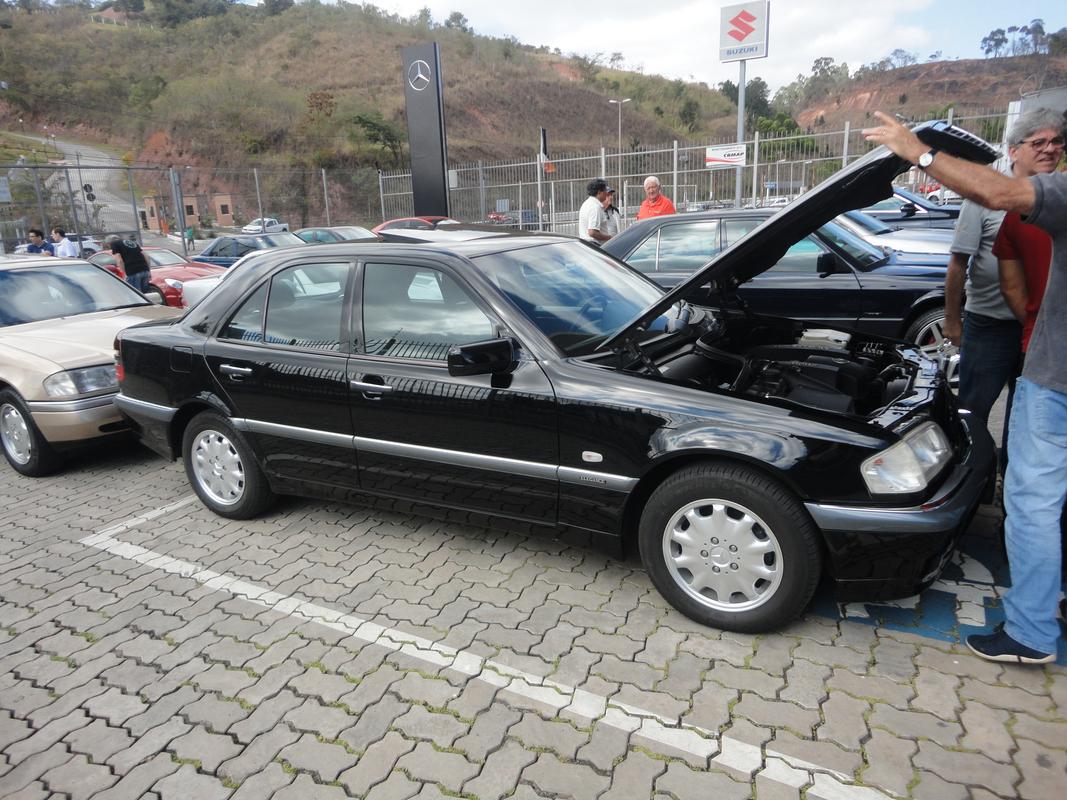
(225, 250)
(265, 225)
(337, 233)
(414, 224)
(907, 210)
(169, 272)
(912, 241)
(58, 321)
(540, 379)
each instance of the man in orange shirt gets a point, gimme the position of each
(655, 203)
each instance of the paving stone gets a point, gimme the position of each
(750, 680)
(832, 655)
(148, 744)
(115, 706)
(416, 688)
(395, 787)
(843, 721)
(915, 724)
(98, 740)
(963, 665)
(24, 698)
(324, 761)
(129, 676)
(1006, 697)
(1044, 771)
(874, 689)
(634, 778)
(420, 723)
(143, 648)
(264, 784)
(966, 768)
(304, 788)
(373, 723)
(805, 683)
(681, 781)
(210, 749)
(560, 737)
(215, 714)
(259, 752)
(47, 736)
(553, 777)
(65, 704)
(776, 713)
(188, 784)
(372, 689)
(230, 652)
(474, 699)
(936, 693)
(573, 667)
(265, 717)
(934, 787)
(27, 770)
(227, 682)
(685, 675)
(889, 760)
(488, 731)
(270, 683)
(175, 678)
(717, 649)
(607, 744)
(313, 717)
(78, 779)
(985, 729)
(710, 708)
(657, 702)
(428, 765)
(135, 784)
(12, 730)
(612, 668)
(161, 710)
(277, 653)
(892, 659)
(596, 642)
(375, 764)
(826, 754)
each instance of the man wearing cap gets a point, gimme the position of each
(591, 216)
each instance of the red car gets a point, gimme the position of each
(168, 272)
(414, 224)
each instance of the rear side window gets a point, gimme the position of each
(247, 324)
(306, 305)
(686, 247)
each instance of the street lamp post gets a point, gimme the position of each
(619, 104)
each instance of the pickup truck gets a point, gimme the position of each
(265, 225)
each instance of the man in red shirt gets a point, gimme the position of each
(655, 203)
(1024, 253)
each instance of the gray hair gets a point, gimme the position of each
(652, 179)
(1033, 121)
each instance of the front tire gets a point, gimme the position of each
(927, 331)
(222, 468)
(730, 548)
(24, 447)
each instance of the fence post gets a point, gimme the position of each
(755, 168)
(179, 208)
(951, 114)
(259, 198)
(481, 190)
(844, 148)
(552, 206)
(540, 198)
(40, 200)
(674, 170)
(133, 205)
(70, 197)
(603, 162)
(381, 193)
(326, 196)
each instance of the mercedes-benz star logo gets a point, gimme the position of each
(419, 75)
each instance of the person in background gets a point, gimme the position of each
(591, 216)
(37, 243)
(1036, 482)
(611, 215)
(655, 203)
(131, 260)
(63, 247)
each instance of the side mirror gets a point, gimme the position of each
(155, 297)
(827, 264)
(489, 357)
(909, 209)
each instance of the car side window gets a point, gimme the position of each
(305, 306)
(418, 313)
(241, 248)
(247, 324)
(686, 247)
(644, 257)
(734, 229)
(889, 204)
(802, 258)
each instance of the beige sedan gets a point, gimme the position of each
(58, 321)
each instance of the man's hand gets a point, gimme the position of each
(952, 330)
(896, 137)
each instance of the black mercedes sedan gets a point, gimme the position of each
(539, 379)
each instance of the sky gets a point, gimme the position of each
(680, 38)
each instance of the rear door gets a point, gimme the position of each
(677, 249)
(221, 252)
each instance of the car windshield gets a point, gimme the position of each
(575, 295)
(353, 232)
(278, 240)
(864, 254)
(38, 293)
(868, 223)
(163, 258)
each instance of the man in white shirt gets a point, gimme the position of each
(64, 247)
(591, 216)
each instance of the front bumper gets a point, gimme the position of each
(63, 421)
(879, 553)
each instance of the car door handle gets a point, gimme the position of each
(370, 389)
(236, 373)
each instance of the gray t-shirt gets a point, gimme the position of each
(1046, 358)
(976, 230)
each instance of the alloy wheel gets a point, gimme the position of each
(15, 434)
(217, 466)
(931, 340)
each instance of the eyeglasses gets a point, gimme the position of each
(1041, 144)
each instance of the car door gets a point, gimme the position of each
(676, 249)
(280, 361)
(481, 442)
(799, 285)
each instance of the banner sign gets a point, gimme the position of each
(424, 99)
(725, 155)
(743, 31)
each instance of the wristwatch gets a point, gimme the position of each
(927, 158)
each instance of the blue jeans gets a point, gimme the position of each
(1034, 492)
(989, 360)
(139, 280)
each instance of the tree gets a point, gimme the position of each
(1057, 43)
(459, 22)
(729, 90)
(615, 62)
(379, 131)
(902, 58)
(424, 19)
(690, 114)
(757, 98)
(934, 56)
(275, 7)
(994, 42)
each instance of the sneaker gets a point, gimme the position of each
(998, 646)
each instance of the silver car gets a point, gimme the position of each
(921, 241)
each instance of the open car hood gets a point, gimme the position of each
(862, 183)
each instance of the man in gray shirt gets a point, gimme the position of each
(1036, 483)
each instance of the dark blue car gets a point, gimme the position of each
(227, 249)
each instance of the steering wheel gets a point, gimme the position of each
(591, 303)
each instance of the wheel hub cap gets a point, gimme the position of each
(217, 467)
(15, 434)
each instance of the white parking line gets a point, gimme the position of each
(581, 706)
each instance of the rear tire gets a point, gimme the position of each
(222, 468)
(730, 548)
(24, 447)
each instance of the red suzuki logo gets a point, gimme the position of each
(743, 26)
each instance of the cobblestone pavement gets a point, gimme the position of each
(151, 649)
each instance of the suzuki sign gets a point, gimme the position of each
(743, 31)
(726, 155)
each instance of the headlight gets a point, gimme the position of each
(910, 464)
(173, 284)
(87, 380)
